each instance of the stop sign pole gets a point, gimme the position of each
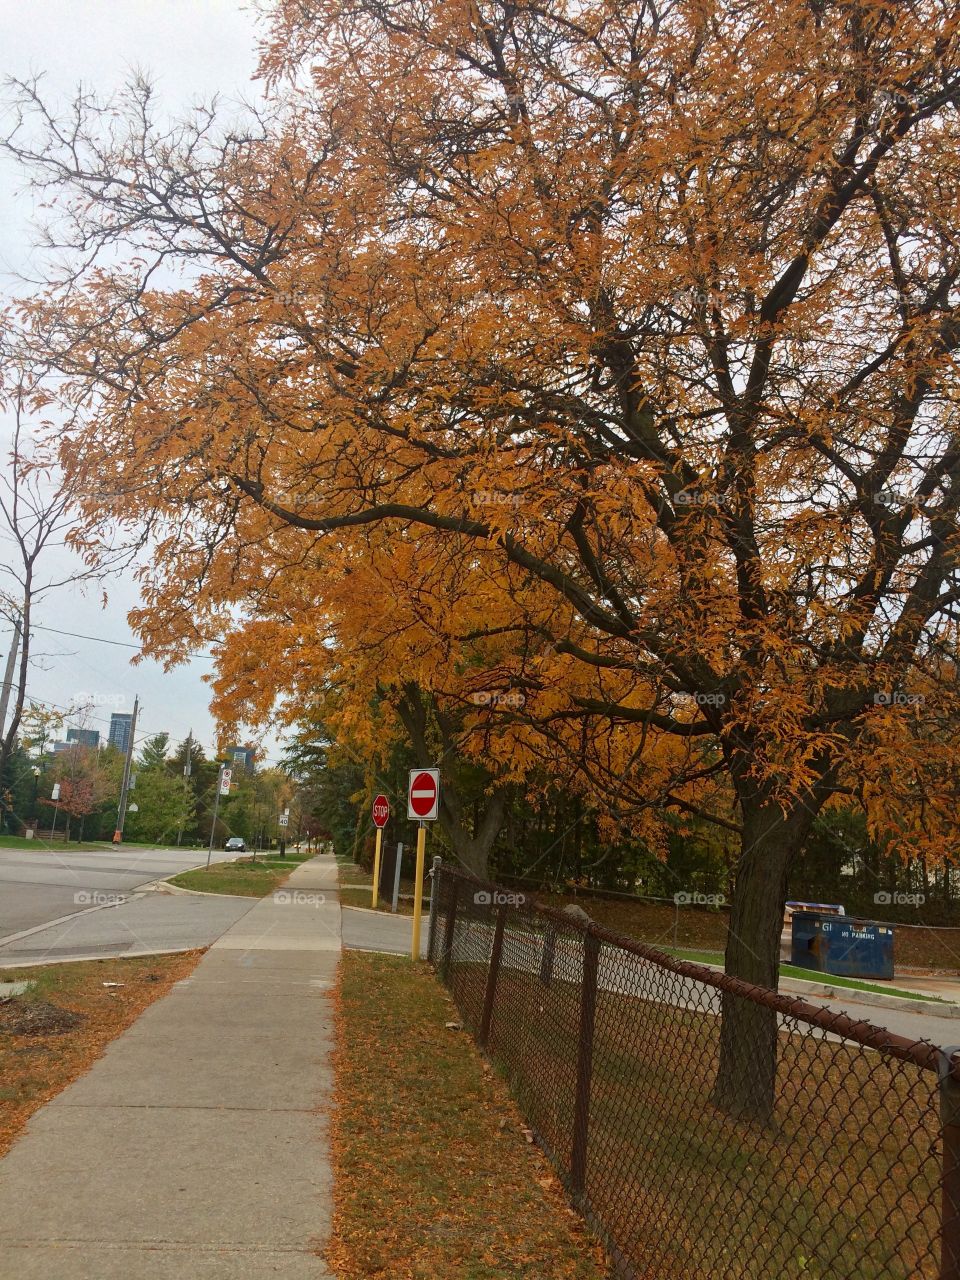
(381, 814)
(423, 806)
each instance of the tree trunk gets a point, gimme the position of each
(473, 851)
(746, 1075)
(472, 847)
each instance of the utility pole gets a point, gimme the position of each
(125, 785)
(8, 675)
(187, 770)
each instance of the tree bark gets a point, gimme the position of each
(746, 1074)
(471, 842)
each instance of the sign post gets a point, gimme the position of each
(55, 796)
(381, 814)
(223, 789)
(396, 879)
(423, 806)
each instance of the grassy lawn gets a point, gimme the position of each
(40, 842)
(808, 975)
(706, 930)
(351, 876)
(434, 1178)
(243, 878)
(53, 1032)
(361, 898)
(843, 1182)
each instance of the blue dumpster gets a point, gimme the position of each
(842, 946)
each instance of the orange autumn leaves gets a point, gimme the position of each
(601, 362)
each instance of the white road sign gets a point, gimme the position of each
(423, 795)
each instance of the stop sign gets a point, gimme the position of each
(423, 797)
(381, 811)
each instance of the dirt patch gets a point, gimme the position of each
(36, 1018)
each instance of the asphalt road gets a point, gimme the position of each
(67, 901)
(41, 886)
(364, 930)
(372, 931)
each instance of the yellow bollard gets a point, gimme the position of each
(376, 869)
(418, 890)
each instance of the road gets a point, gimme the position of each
(364, 930)
(636, 977)
(60, 902)
(41, 886)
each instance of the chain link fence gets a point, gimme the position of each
(703, 1126)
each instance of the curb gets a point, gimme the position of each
(50, 924)
(111, 955)
(164, 886)
(932, 1007)
(375, 911)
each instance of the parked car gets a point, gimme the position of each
(236, 844)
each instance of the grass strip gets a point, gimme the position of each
(435, 1177)
(244, 878)
(809, 975)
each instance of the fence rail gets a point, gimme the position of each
(702, 1125)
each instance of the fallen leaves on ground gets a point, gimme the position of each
(434, 1176)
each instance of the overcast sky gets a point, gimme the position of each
(192, 49)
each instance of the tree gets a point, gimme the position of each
(84, 784)
(162, 805)
(38, 513)
(641, 324)
(40, 726)
(153, 753)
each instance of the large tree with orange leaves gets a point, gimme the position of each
(630, 328)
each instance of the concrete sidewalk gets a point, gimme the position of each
(193, 1149)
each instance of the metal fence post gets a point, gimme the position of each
(449, 923)
(434, 893)
(950, 1173)
(581, 1113)
(493, 971)
(548, 953)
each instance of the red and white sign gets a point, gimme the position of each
(381, 811)
(423, 795)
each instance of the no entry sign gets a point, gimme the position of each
(381, 811)
(423, 795)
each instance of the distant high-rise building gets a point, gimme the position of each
(119, 735)
(84, 737)
(243, 756)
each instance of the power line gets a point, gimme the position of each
(120, 644)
